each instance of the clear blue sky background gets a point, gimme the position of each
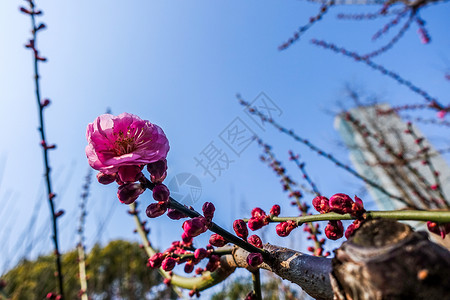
(179, 64)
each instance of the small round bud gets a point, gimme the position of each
(240, 228)
(275, 210)
(254, 259)
(321, 204)
(208, 210)
(200, 253)
(106, 178)
(175, 214)
(217, 240)
(341, 203)
(155, 210)
(129, 173)
(168, 264)
(129, 192)
(195, 226)
(161, 193)
(334, 230)
(255, 241)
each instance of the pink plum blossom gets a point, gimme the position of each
(124, 140)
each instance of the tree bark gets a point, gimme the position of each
(385, 259)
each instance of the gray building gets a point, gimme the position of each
(375, 140)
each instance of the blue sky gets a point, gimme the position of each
(180, 64)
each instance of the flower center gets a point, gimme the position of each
(124, 144)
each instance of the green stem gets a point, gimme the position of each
(256, 278)
(218, 252)
(440, 216)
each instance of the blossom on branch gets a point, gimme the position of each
(124, 140)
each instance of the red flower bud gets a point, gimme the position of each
(129, 173)
(46, 102)
(257, 212)
(217, 240)
(161, 193)
(341, 203)
(255, 241)
(106, 178)
(240, 228)
(334, 230)
(156, 260)
(213, 263)
(200, 253)
(284, 228)
(352, 227)
(189, 267)
(254, 259)
(256, 223)
(155, 210)
(208, 210)
(157, 170)
(275, 210)
(129, 192)
(59, 213)
(186, 239)
(195, 226)
(168, 263)
(321, 204)
(357, 207)
(175, 214)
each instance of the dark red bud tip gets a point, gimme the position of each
(321, 204)
(195, 226)
(284, 228)
(217, 240)
(157, 170)
(129, 192)
(128, 174)
(175, 214)
(240, 228)
(40, 58)
(59, 213)
(275, 210)
(254, 259)
(168, 264)
(255, 241)
(155, 210)
(51, 196)
(24, 10)
(41, 26)
(334, 230)
(106, 178)
(208, 210)
(341, 203)
(155, 261)
(161, 193)
(200, 253)
(45, 103)
(189, 267)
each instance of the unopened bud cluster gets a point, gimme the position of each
(341, 204)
